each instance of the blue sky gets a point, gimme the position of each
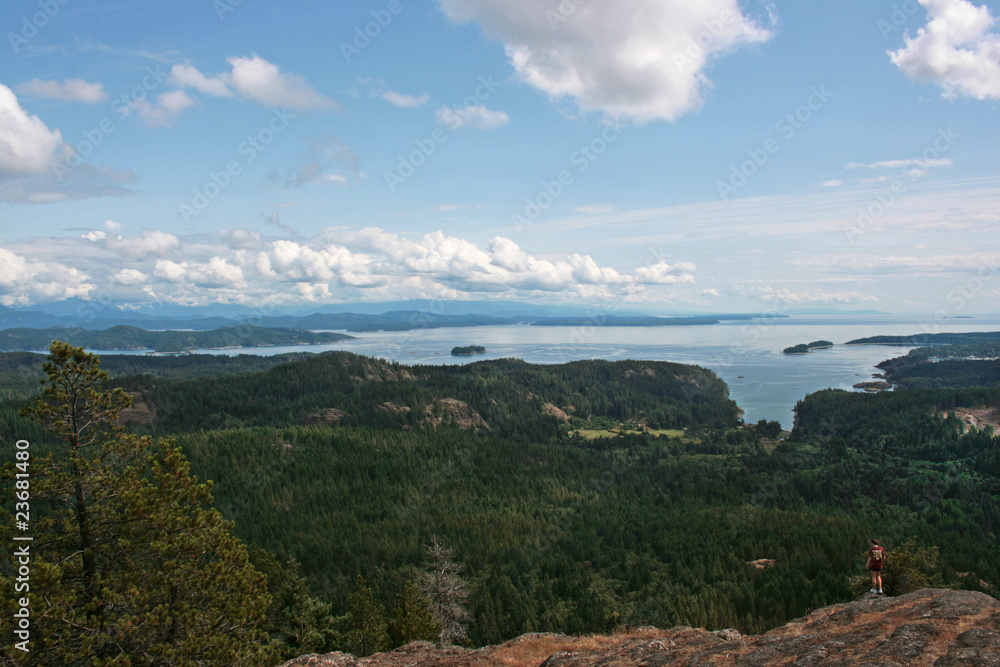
(653, 154)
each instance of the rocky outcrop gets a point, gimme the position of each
(328, 417)
(453, 411)
(555, 411)
(932, 627)
(139, 413)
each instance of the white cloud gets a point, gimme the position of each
(70, 90)
(27, 146)
(475, 117)
(168, 106)
(958, 50)
(634, 59)
(663, 273)
(169, 270)
(186, 76)
(130, 277)
(112, 226)
(263, 82)
(217, 272)
(151, 243)
(24, 281)
(95, 235)
(835, 183)
(369, 264)
(401, 100)
(710, 292)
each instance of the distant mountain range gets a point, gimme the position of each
(387, 316)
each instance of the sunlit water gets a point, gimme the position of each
(747, 355)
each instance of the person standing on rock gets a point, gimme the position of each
(876, 559)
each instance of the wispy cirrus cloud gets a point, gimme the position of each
(476, 117)
(327, 161)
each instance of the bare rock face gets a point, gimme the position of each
(932, 627)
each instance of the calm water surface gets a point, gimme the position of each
(747, 355)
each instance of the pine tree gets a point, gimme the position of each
(412, 620)
(442, 583)
(296, 622)
(366, 628)
(130, 564)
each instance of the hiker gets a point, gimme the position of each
(876, 559)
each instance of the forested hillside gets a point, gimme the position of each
(133, 338)
(345, 466)
(506, 397)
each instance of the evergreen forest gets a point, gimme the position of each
(340, 484)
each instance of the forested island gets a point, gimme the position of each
(133, 338)
(467, 350)
(805, 348)
(927, 339)
(349, 479)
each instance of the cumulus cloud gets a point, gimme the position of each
(169, 270)
(263, 82)
(958, 50)
(130, 277)
(642, 60)
(476, 117)
(186, 76)
(70, 90)
(164, 112)
(150, 243)
(663, 273)
(25, 281)
(254, 79)
(327, 161)
(368, 264)
(27, 146)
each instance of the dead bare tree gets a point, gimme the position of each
(442, 583)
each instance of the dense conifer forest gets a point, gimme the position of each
(338, 470)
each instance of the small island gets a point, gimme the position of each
(876, 385)
(806, 348)
(467, 350)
